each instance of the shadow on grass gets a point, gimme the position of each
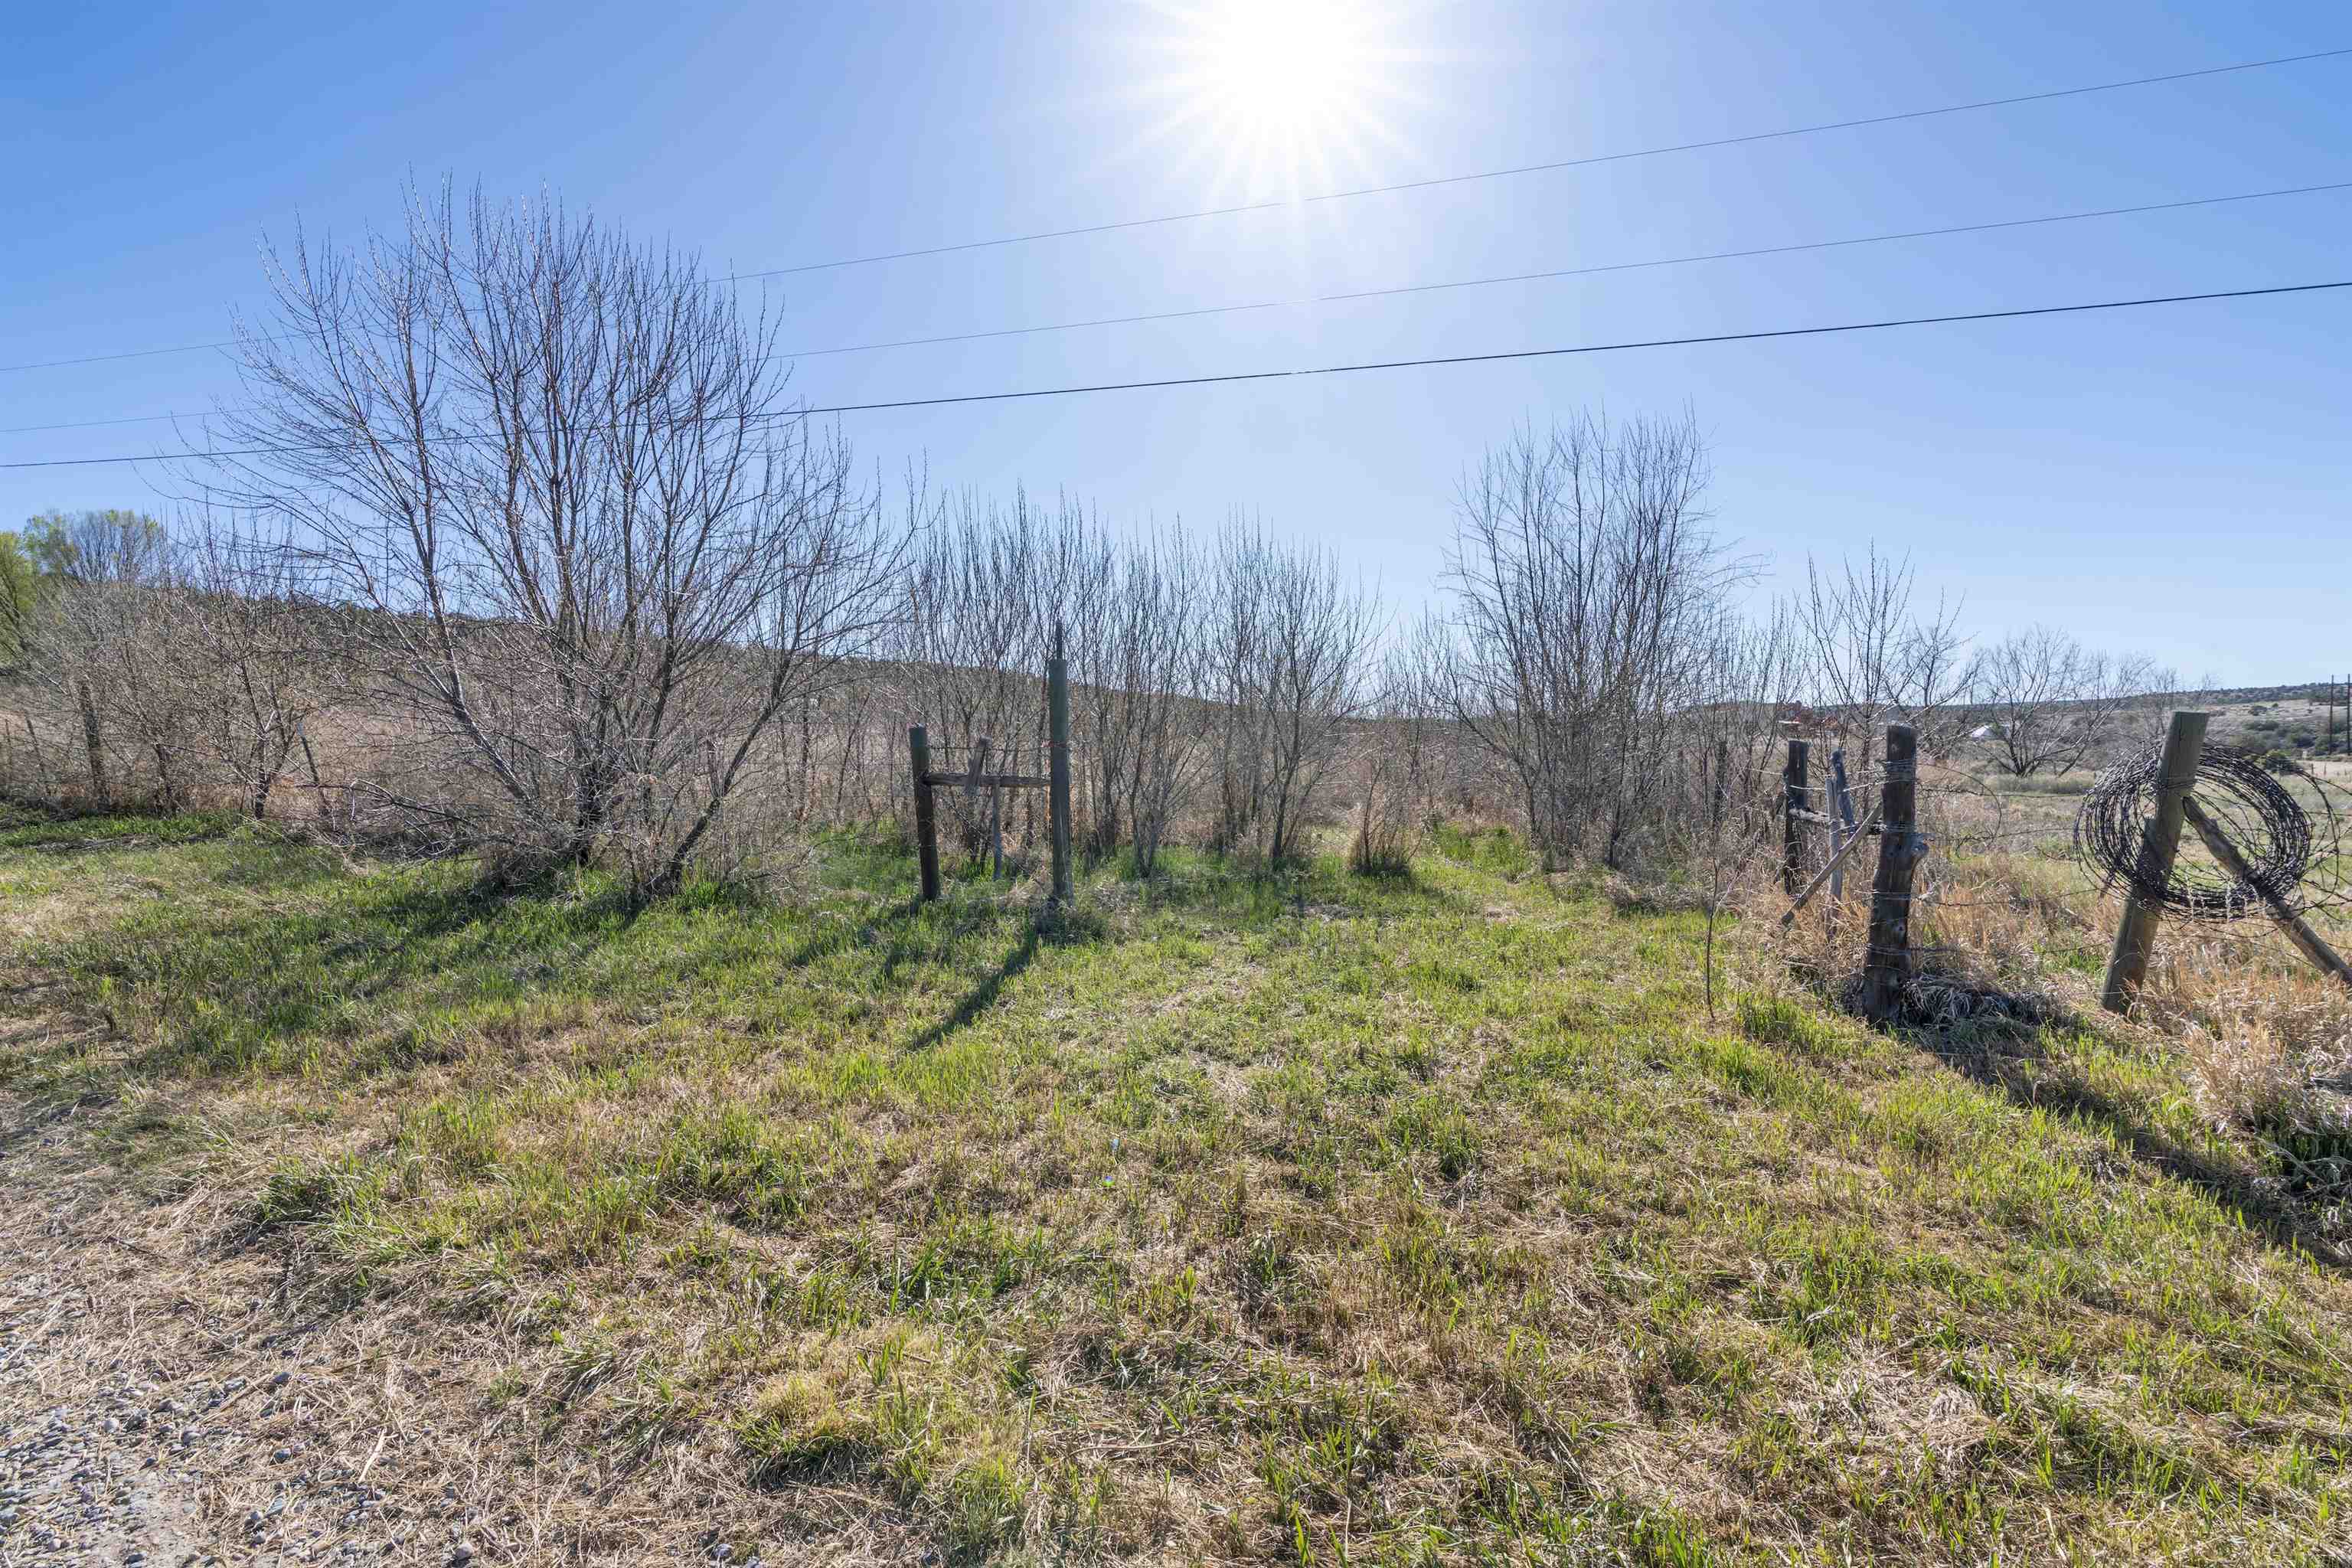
(262, 991)
(377, 974)
(32, 1125)
(982, 996)
(2019, 1069)
(841, 935)
(72, 832)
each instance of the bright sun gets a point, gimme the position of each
(1289, 68)
(1279, 88)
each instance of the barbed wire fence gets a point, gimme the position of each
(2272, 845)
(2287, 852)
(2270, 852)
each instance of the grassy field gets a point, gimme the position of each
(1325, 1221)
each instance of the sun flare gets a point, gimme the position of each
(1290, 68)
(1279, 90)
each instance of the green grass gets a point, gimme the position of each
(1423, 1219)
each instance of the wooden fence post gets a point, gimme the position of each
(1792, 826)
(1057, 703)
(2159, 845)
(1843, 828)
(1887, 961)
(927, 839)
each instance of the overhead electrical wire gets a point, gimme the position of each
(1313, 299)
(1742, 139)
(2017, 313)
(1590, 159)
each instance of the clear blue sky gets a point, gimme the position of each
(2172, 483)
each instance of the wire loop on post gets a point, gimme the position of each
(2275, 833)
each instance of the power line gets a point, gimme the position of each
(1745, 139)
(1587, 161)
(2014, 314)
(1312, 299)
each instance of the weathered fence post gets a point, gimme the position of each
(1842, 828)
(1887, 961)
(2159, 845)
(927, 840)
(1057, 703)
(1792, 823)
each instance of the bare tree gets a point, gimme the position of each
(2054, 703)
(1400, 748)
(1872, 660)
(1732, 746)
(1146, 726)
(247, 620)
(98, 571)
(1586, 586)
(987, 589)
(587, 554)
(1285, 665)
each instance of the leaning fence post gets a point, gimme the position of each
(1057, 703)
(927, 841)
(2298, 930)
(1792, 823)
(1887, 963)
(2159, 845)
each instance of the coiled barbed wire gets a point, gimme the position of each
(2280, 837)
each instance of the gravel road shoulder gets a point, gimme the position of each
(160, 1415)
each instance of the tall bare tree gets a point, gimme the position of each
(97, 572)
(246, 622)
(1139, 710)
(1586, 588)
(1287, 666)
(587, 550)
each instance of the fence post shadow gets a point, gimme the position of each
(982, 996)
(2282, 1221)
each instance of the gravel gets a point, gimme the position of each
(172, 1395)
(86, 1479)
(104, 1461)
(160, 1437)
